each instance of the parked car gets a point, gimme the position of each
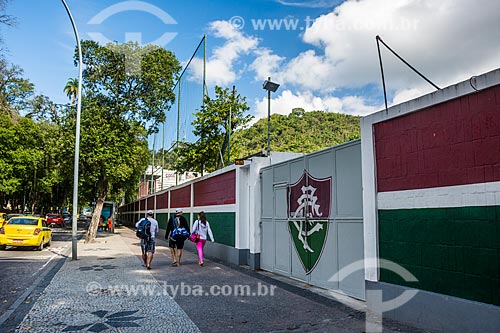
(67, 218)
(9, 216)
(25, 231)
(55, 219)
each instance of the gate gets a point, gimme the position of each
(311, 221)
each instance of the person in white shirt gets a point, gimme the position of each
(148, 245)
(202, 227)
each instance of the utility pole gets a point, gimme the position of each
(77, 138)
(229, 127)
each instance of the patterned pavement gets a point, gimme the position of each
(105, 290)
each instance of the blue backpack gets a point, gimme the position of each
(178, 233)
(144, 229)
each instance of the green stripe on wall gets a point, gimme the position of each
(223, 227)
(452, 251)
(162, 219)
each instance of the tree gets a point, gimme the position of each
(300, 132)
(5, 18)
(299, 112)
(128, 89)
(211, 126)
(71, 90)
(15, 91)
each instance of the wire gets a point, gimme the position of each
(407, 64)
(473, 78)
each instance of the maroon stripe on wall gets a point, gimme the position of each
(218, 190)
(181, 197)
(162, 201)
(143, 204)
(453, 143)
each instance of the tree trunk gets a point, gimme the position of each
(94, 224)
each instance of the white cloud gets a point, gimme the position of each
(266, 63)
(220, 67)
(448, 41)
(310, 3)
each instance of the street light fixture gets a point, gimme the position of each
(77, 138)
(270, 87)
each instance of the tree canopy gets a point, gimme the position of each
(127, 89)
(300, 132)
(212, 127)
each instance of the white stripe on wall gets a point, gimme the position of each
(207, 209)
(483, 194)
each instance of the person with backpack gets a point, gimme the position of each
(147, 228)
(177, 232)
(201, 227)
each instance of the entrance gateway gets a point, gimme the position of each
(312, 222)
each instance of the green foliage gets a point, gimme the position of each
(126, 88)
(211, 126)
(15, 91)
(300, 132)
(71, 89)
(121, 104)
(133, 82)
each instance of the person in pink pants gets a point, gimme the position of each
(202, 228)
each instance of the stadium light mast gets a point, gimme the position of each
(74, 225)
(270, 87)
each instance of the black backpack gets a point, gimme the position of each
(144, 229)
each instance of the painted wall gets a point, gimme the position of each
(453, 248)
(218, 190)
(221, 217)
(431, 180)
(229, 197)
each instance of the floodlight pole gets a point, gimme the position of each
(269, 120)
(74, 225)
(270, 87)
(229, 127)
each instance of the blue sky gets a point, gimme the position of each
(324, 54)
(42, 42)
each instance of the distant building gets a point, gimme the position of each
(159, 179)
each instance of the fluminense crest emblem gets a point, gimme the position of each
(308, 213)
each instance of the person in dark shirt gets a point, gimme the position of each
(178, 242)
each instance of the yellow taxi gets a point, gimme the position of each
(25, 231)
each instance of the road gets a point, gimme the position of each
(24, 274)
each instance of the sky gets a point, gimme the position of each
(322, 52)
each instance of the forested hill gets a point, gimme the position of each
(300, 132)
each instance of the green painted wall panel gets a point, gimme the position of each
(452, 251)
(162, 219)
(223, 227)
(222, 224)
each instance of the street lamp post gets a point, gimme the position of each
(270, 87)
(74, 225)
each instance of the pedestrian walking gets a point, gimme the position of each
(202, 227)
(175, 238)
(110, 223)
(148, 242)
